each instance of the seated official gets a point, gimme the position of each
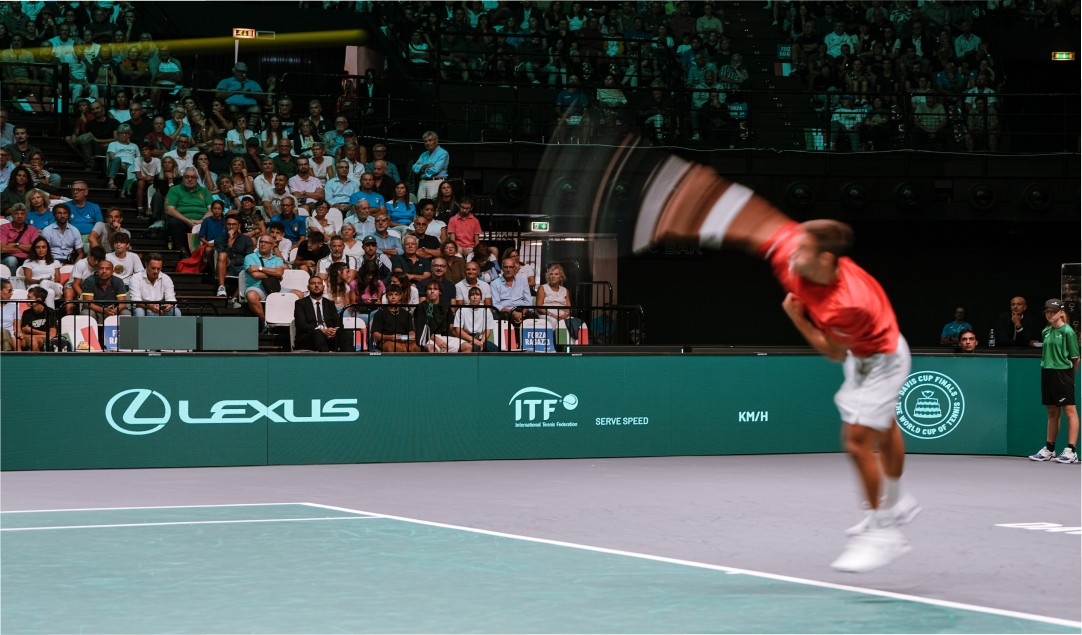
(318, 325)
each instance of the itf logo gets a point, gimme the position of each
(930, 405)
(532, 402)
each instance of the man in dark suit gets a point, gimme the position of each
(317, 323)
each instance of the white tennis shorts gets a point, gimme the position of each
(869, 394)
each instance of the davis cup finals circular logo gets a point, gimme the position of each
(930, 405)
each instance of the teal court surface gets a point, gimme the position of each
(314, 568)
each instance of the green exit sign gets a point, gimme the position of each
(539, 226)
(1062, 56)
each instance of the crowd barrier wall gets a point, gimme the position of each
(128, 411)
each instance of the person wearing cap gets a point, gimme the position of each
(370, 246)
(431, 167)
(1059, 367)
(251, 221)
(240, 93)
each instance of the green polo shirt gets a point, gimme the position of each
(192, 204)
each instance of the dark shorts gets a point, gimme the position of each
(1057, 387)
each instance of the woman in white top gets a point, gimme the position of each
(353, 246)
(553, 294)
(237, 138)
(474, 322)
(264, 183)
(41, 269)
(321, 164)
(329, 227)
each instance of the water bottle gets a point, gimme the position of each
(992, 338)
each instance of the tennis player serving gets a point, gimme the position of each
(839, 309)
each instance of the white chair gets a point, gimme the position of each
(279, 312)
(65, 274)
(82, 332)
(335, 216)
(295, 280)
(292, 256)
(5, 272)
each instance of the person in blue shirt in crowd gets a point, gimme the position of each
(294, 225)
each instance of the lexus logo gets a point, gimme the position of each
(130, 422)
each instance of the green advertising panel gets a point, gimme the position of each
(106, 411)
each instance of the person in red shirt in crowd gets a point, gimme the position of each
(464, 227)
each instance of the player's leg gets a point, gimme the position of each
(860, 442)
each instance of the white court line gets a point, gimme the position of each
(191, 522)
(703, 565)
(102, 509)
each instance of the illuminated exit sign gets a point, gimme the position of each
(1063, 56)
(244, 34)
(539, 226)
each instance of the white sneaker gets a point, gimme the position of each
(863, 524)
(1044, 454)
(221, 291)
(905, 510)
(1067, 456)
(903, 513)
(874, 548)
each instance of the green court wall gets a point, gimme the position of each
(117, 411)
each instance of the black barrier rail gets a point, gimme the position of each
(76, 327)
(531, 328)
